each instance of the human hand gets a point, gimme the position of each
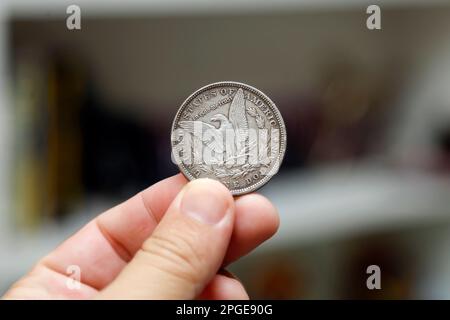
(170, 241)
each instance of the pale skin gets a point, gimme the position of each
(170, 241)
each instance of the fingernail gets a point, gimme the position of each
(205, 202)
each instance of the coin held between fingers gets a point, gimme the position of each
(230, 132)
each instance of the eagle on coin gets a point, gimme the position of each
(228, 140)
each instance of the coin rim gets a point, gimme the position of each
(272, 106)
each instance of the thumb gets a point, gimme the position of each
(185, 250)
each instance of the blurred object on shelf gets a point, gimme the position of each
(71, 145)
(443, 145)
(279, 278)
(66, 91)
(396, 270)
(352, 106)
(49, 93)
(30, 165)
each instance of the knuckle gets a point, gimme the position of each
(174, 255)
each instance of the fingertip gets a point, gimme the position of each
(256, 221)
(258, 210)
(232, 289)
(180, 177)
(223, 287)
(215, 187)
(208, 182)
(207, 201)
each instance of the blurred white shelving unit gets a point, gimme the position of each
(332, 202)
(158, 7)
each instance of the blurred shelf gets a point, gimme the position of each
(347, 201)
(314, 205)
(45, 8)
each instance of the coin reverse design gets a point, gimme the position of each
(231, 132)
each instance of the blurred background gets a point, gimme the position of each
(85, 120)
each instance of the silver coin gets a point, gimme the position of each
(230, 132)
